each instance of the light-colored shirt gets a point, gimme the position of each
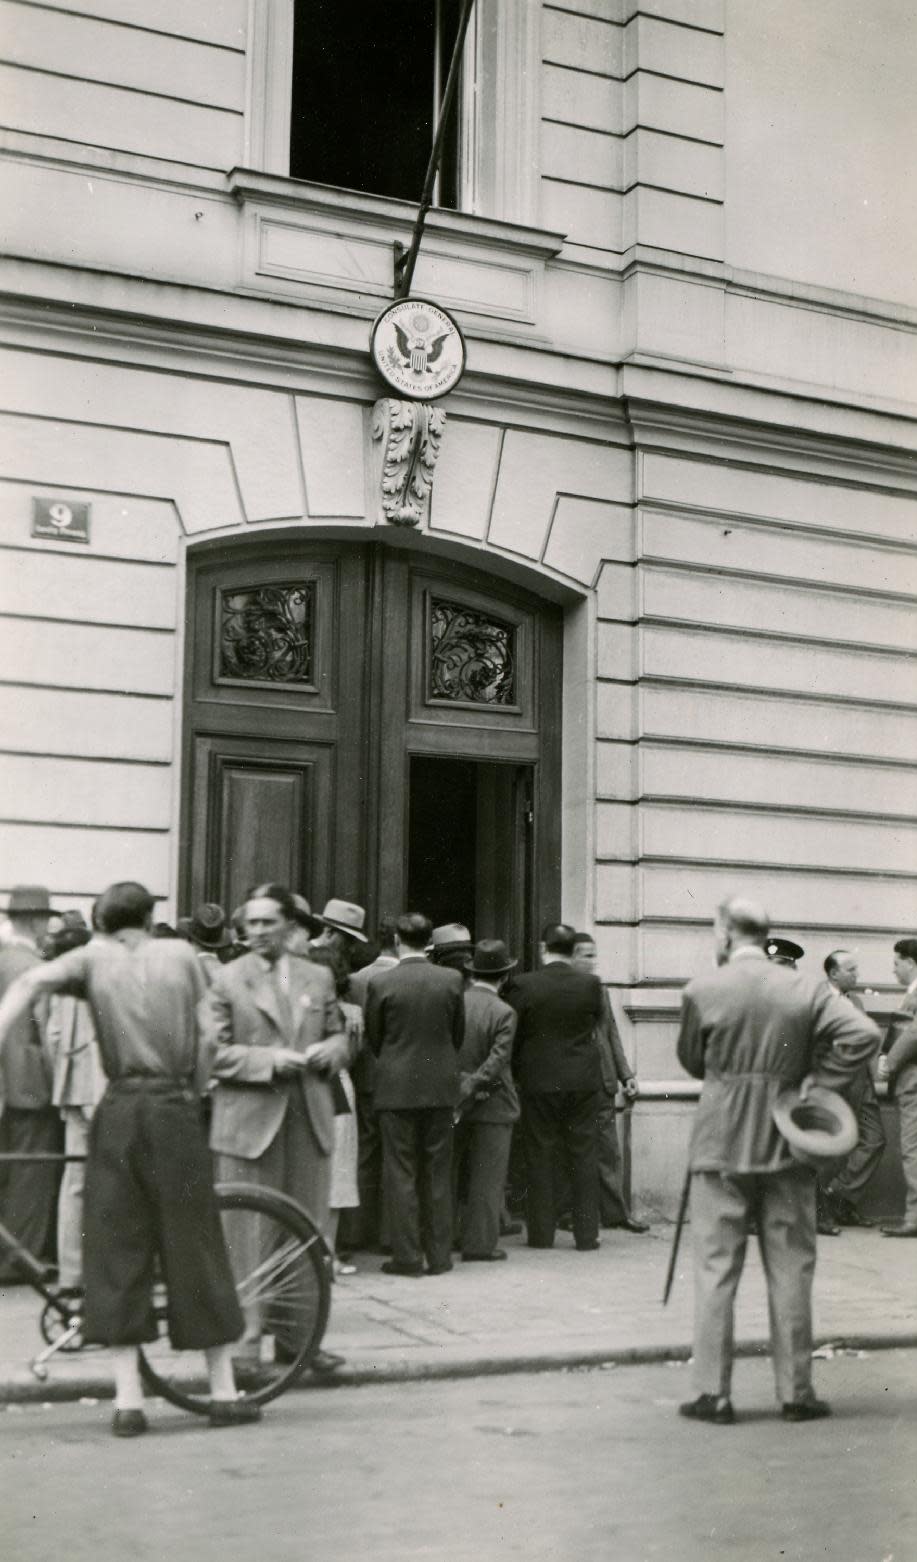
(143, 998)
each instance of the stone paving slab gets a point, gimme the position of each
(539, 1310)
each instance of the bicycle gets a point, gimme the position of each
(284, 1284)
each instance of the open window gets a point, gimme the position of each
(367, 86)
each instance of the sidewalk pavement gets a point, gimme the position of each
(540, 1310)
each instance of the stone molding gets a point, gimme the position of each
(406, 437)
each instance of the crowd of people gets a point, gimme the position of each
(415, 1094)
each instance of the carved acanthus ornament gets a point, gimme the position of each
(409, 435)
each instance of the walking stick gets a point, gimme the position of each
(676, 1240)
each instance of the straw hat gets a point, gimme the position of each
(819, 1128)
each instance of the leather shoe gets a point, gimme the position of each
(439, 1269)
(588, 1247)
(845, 1213)
(233, 1412)
(709, 1407)
(128, 1423)
(806, 1410)
(636, 1226)
(410, 1271)
(325, 1361)
(826, 1227)
(899, 1231)
(485, 1258)
(510, 1228)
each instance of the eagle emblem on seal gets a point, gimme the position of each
(417, 346)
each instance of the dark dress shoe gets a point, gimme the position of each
(899, 1231)
(511, 1228)
(233, 1412)
(826, 1227)
(845, 1213)
(636, 1226)
(709, 1407)
(410, 1271)
(128, 1423)
(806, 1410)
(325, 1361)
(588, 1247)
(485, 1258)
(439, 1269)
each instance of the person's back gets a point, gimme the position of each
(749, 1030)
(415, 1021)
(559, 1010)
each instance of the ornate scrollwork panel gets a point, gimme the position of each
(265, 633)
(472, 656)
(409, 435)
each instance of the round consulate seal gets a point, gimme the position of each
(418, 349)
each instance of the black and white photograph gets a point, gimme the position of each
(458, 816)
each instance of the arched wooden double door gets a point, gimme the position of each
(367, 722)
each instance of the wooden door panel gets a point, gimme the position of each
(267, 810)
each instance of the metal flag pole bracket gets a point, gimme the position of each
(405, 262)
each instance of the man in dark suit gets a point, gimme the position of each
(367, 1224)
(415, 1022)
(557, 1068)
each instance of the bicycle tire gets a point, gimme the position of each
(289, 1284)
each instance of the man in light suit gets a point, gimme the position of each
(415, 1022)
(277, 1039)
(837, 1200)
(751, 1030)
(898, 1064)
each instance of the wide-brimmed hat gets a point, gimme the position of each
(342, 916)
(29, 900)
(821, 1127)
(452, 935)
(207, 927)
(491, 958)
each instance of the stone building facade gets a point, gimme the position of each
(673, 500)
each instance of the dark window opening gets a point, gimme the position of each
(367, 80)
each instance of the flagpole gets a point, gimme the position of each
(404, 265)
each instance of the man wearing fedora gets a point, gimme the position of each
(415, 1022)
(29, 1124)
(752, 1030)
(341, 926)
(208, 934)
(451, 945)
(488, 1104)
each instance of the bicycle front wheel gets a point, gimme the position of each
(281, 1267)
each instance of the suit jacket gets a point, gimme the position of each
(901, 1037)
(750, 1030)
(415, 1022)
(25, 1070)
(244, 1026)
(79, 1078)
(363, 1072)
(485, 1058)
(612, 1057)
(559, 1013)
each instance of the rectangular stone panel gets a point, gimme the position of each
(778, 839)
(708, 656)
(87, 656)
(794, 899)
(84, 861)
(750, 491)
(83, 589)
(57, 790)
(575, 98)
(581, 42)
(769, 722)
(86, 725)
(830, 782)
(778, 607)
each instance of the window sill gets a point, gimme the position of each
(314, 242)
